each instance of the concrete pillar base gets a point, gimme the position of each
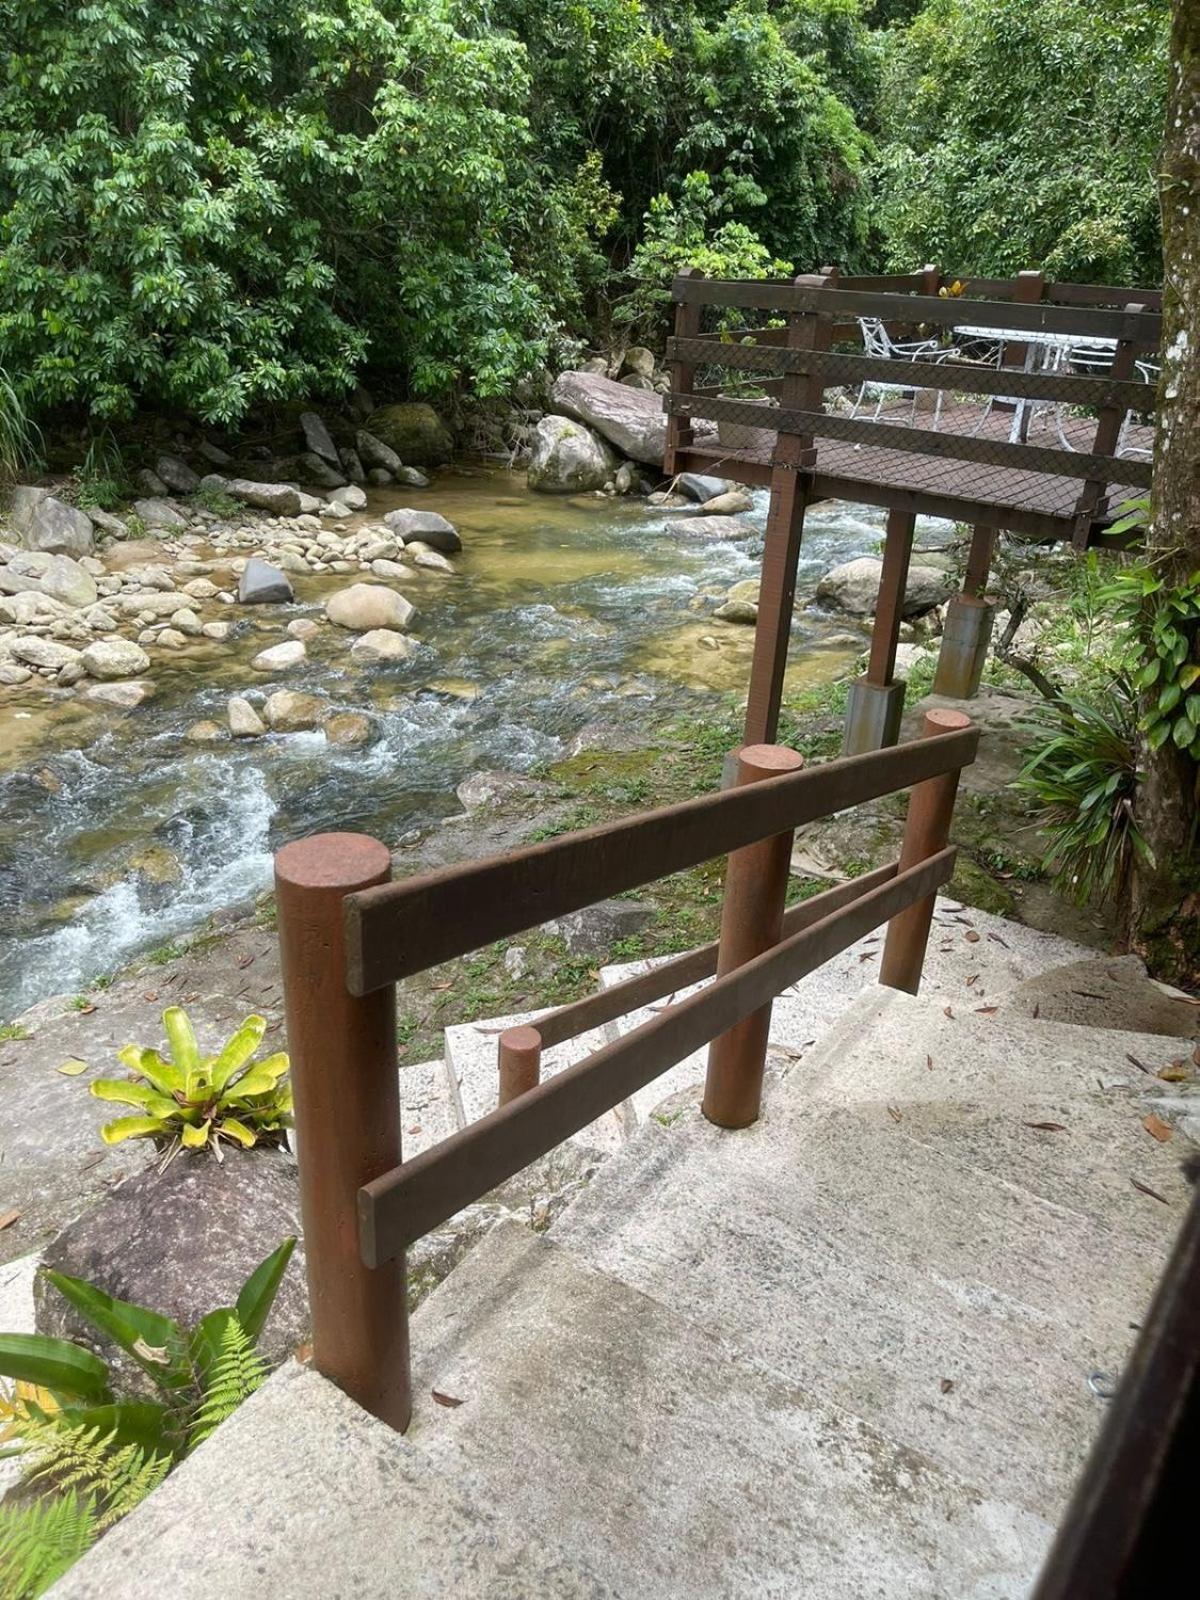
(965, 641)
(873, 716)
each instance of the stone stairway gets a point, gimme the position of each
(853, 1351)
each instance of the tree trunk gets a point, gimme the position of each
(1166, 904)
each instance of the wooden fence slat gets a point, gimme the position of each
(402, 1206)
(409, 926)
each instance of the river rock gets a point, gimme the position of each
(150, 483)
(427, 526)
(729, 504)
(289, 711)
(365, 606)
(124, 696)
(177, 475)
(158, 513)
(350, 496)
(205, 732)
(187, 622)
(568, 458)
(318, 439)
(244, 721)
(182, 1241)
(349, 729)
(854, 587)
(218, 632)
(12, 675)
(280, 657)
(303, 628)
(64, 580)
(699, 486)
(108, 659)
(374, 453)
(414, 431)
(639, 361)
(393, 570)
(281, 499)
(381, 644)
(42, 522)
(105, 522)
(631, 420)
(379, 477)
(352, 465)
(712, 527)
(263, 584)
(45, 653)
(172, 639)
(431, 560)
(737, 611)
(213, 453)
(412, 478)
(315, 469)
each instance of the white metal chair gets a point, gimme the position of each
(878, 343)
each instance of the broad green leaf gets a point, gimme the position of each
(205, 1343)
(56, 1364)
(145, 1423)
(133, 1094)
(138, 1330)
(195, 1138)
(72, 1067)
(238, 1131)
(1169, 697)
(123, 1128)
(1189, 676)
(164, 1075)
(260, 1288)
(1159, 735)
(1183, 733)
(263, 1077)
(181, 1036)
(238, 1051)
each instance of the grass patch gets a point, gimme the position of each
(11, 1031)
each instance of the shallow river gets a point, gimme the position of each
(117, 833)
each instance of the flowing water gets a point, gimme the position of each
(117, 833)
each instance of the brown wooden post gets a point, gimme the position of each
(876, 701)
(785, 527)
(1108, 432)
(967, 634)
(979, 559)
(683, 379)
(751, 922)
(345, 1081)
(520, 1062)
(930, 813)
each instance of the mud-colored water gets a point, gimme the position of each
(117, 833)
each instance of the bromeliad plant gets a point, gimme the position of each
(99, 1455)
(188, 1101)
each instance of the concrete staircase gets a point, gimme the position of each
(853, 1351)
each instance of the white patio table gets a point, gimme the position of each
(1044, 352)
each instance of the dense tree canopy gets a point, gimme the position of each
(219, 207)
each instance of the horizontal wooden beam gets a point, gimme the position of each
(400, 928)
(957, 377)
(917, 441)
(666, 977)
(402, 1206)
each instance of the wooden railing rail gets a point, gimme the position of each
(347, 933)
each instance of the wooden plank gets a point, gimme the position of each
(406, 927)
(1042, 525)
(667, 977)
(889, 608)
(401, 1206)
(683, 379)
(959, 377)
(925, 441)
(1102, 294)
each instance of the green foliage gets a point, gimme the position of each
(73, 1456)
(1081, 777)
(39, 1542)
(192, 1102)
(20, 437)
(102, 478)
(1020, 133)
(1160, 624)
(236, 1373)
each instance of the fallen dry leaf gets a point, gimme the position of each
(1157, 1128)
(947, 1011)
(867, 955)
(7, 1219)
(895, 1113)
(1175, 1073)
(1144, 1188)
(440, 986)
(946, 1385)
(150, 994)
(996, 939)
(1048, 1127)
(971, 936)
(244, 961)
(445, 1399)
(1037, 1009)
(929, 1063)
(303, 1354)
(987, 1011)
(974, 978)
(86, 1011)
(1140, 1065)
(72, 1067)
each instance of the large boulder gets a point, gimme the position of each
(630, 419)
(161, 514)
(318, 439)
(854, 587)
(182, 1242)
(414, 431)
(373, 453)
(110, 659)
(363, 607)
(177, 475)
(35, 572)
(262, 584)
(427, 526)
(35, 651)
(42, 522)
(568, 458)
(281, 499)
(699, 486)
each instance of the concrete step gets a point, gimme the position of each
(643, 1446)
(893, 1272)
(300, 1494)
(972, 956)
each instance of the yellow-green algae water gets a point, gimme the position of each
(117, 832)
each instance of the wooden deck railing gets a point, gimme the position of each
(348, 934)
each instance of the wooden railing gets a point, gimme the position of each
(348, 934)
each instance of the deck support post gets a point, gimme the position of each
(346, 1084)
(520, 1062)
(751, 922)
(927, 830)
(877, 699)
(968, 630)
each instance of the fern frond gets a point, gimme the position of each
(39, 1542)
(237, 1371)
(75, 1458)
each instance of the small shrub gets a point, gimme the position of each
(20, 436)
(102, 479)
